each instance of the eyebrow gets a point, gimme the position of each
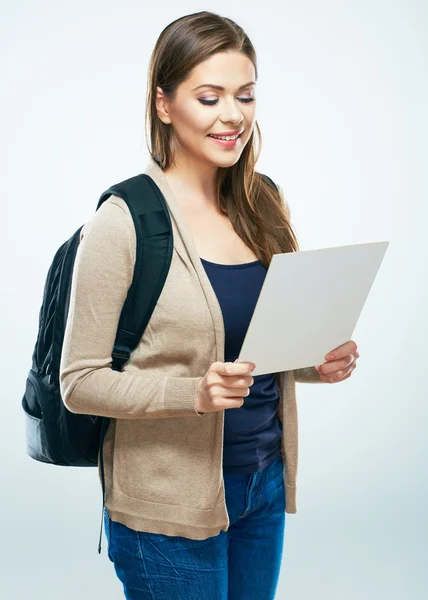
(219, 87)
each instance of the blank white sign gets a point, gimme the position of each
(309, 304)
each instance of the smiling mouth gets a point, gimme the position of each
(226, 138)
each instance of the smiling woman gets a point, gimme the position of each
(200, 457)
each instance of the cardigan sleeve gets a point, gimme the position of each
(102, 274)
(305, 374)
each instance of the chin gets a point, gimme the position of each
(227, 161)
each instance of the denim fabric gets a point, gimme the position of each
(242, 563)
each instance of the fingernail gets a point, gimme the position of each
(330, 357)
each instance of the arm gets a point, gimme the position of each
(103, 272)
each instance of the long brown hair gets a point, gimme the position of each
(253, 206)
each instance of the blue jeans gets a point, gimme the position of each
(242, 563)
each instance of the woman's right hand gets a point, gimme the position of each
(225, 385)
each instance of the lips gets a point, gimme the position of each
(226, 134)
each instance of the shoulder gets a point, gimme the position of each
(111, 227)
(113, 215)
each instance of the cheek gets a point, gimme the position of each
(250, 116)
(196, 121)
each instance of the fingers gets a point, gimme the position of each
(338, 365)
(230, 379)
(337, 376)
(225, 392)
(238, 382)
(229, 368)
(232, 386)
(342, 351)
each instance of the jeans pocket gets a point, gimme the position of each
(275, 490)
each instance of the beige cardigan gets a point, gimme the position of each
(163, 461)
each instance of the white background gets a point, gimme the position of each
(342, 104)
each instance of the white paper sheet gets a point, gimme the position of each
(309, 304)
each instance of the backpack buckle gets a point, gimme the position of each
(120, 356)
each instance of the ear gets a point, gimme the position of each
(162, 106)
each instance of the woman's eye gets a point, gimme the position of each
(212, 102)
(207, 102)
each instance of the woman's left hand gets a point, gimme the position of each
(340, 363)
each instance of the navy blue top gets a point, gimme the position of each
(252, 432)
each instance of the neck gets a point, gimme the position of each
(193, 182)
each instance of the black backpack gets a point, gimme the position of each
(54, 434)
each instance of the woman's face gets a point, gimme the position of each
(199, 111)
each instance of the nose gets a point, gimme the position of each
(232, 113)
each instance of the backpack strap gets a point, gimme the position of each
(154, 246)
(270, 180)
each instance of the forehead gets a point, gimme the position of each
(227, 69)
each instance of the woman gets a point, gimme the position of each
(200, 456)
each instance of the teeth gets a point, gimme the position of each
(225, 137)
